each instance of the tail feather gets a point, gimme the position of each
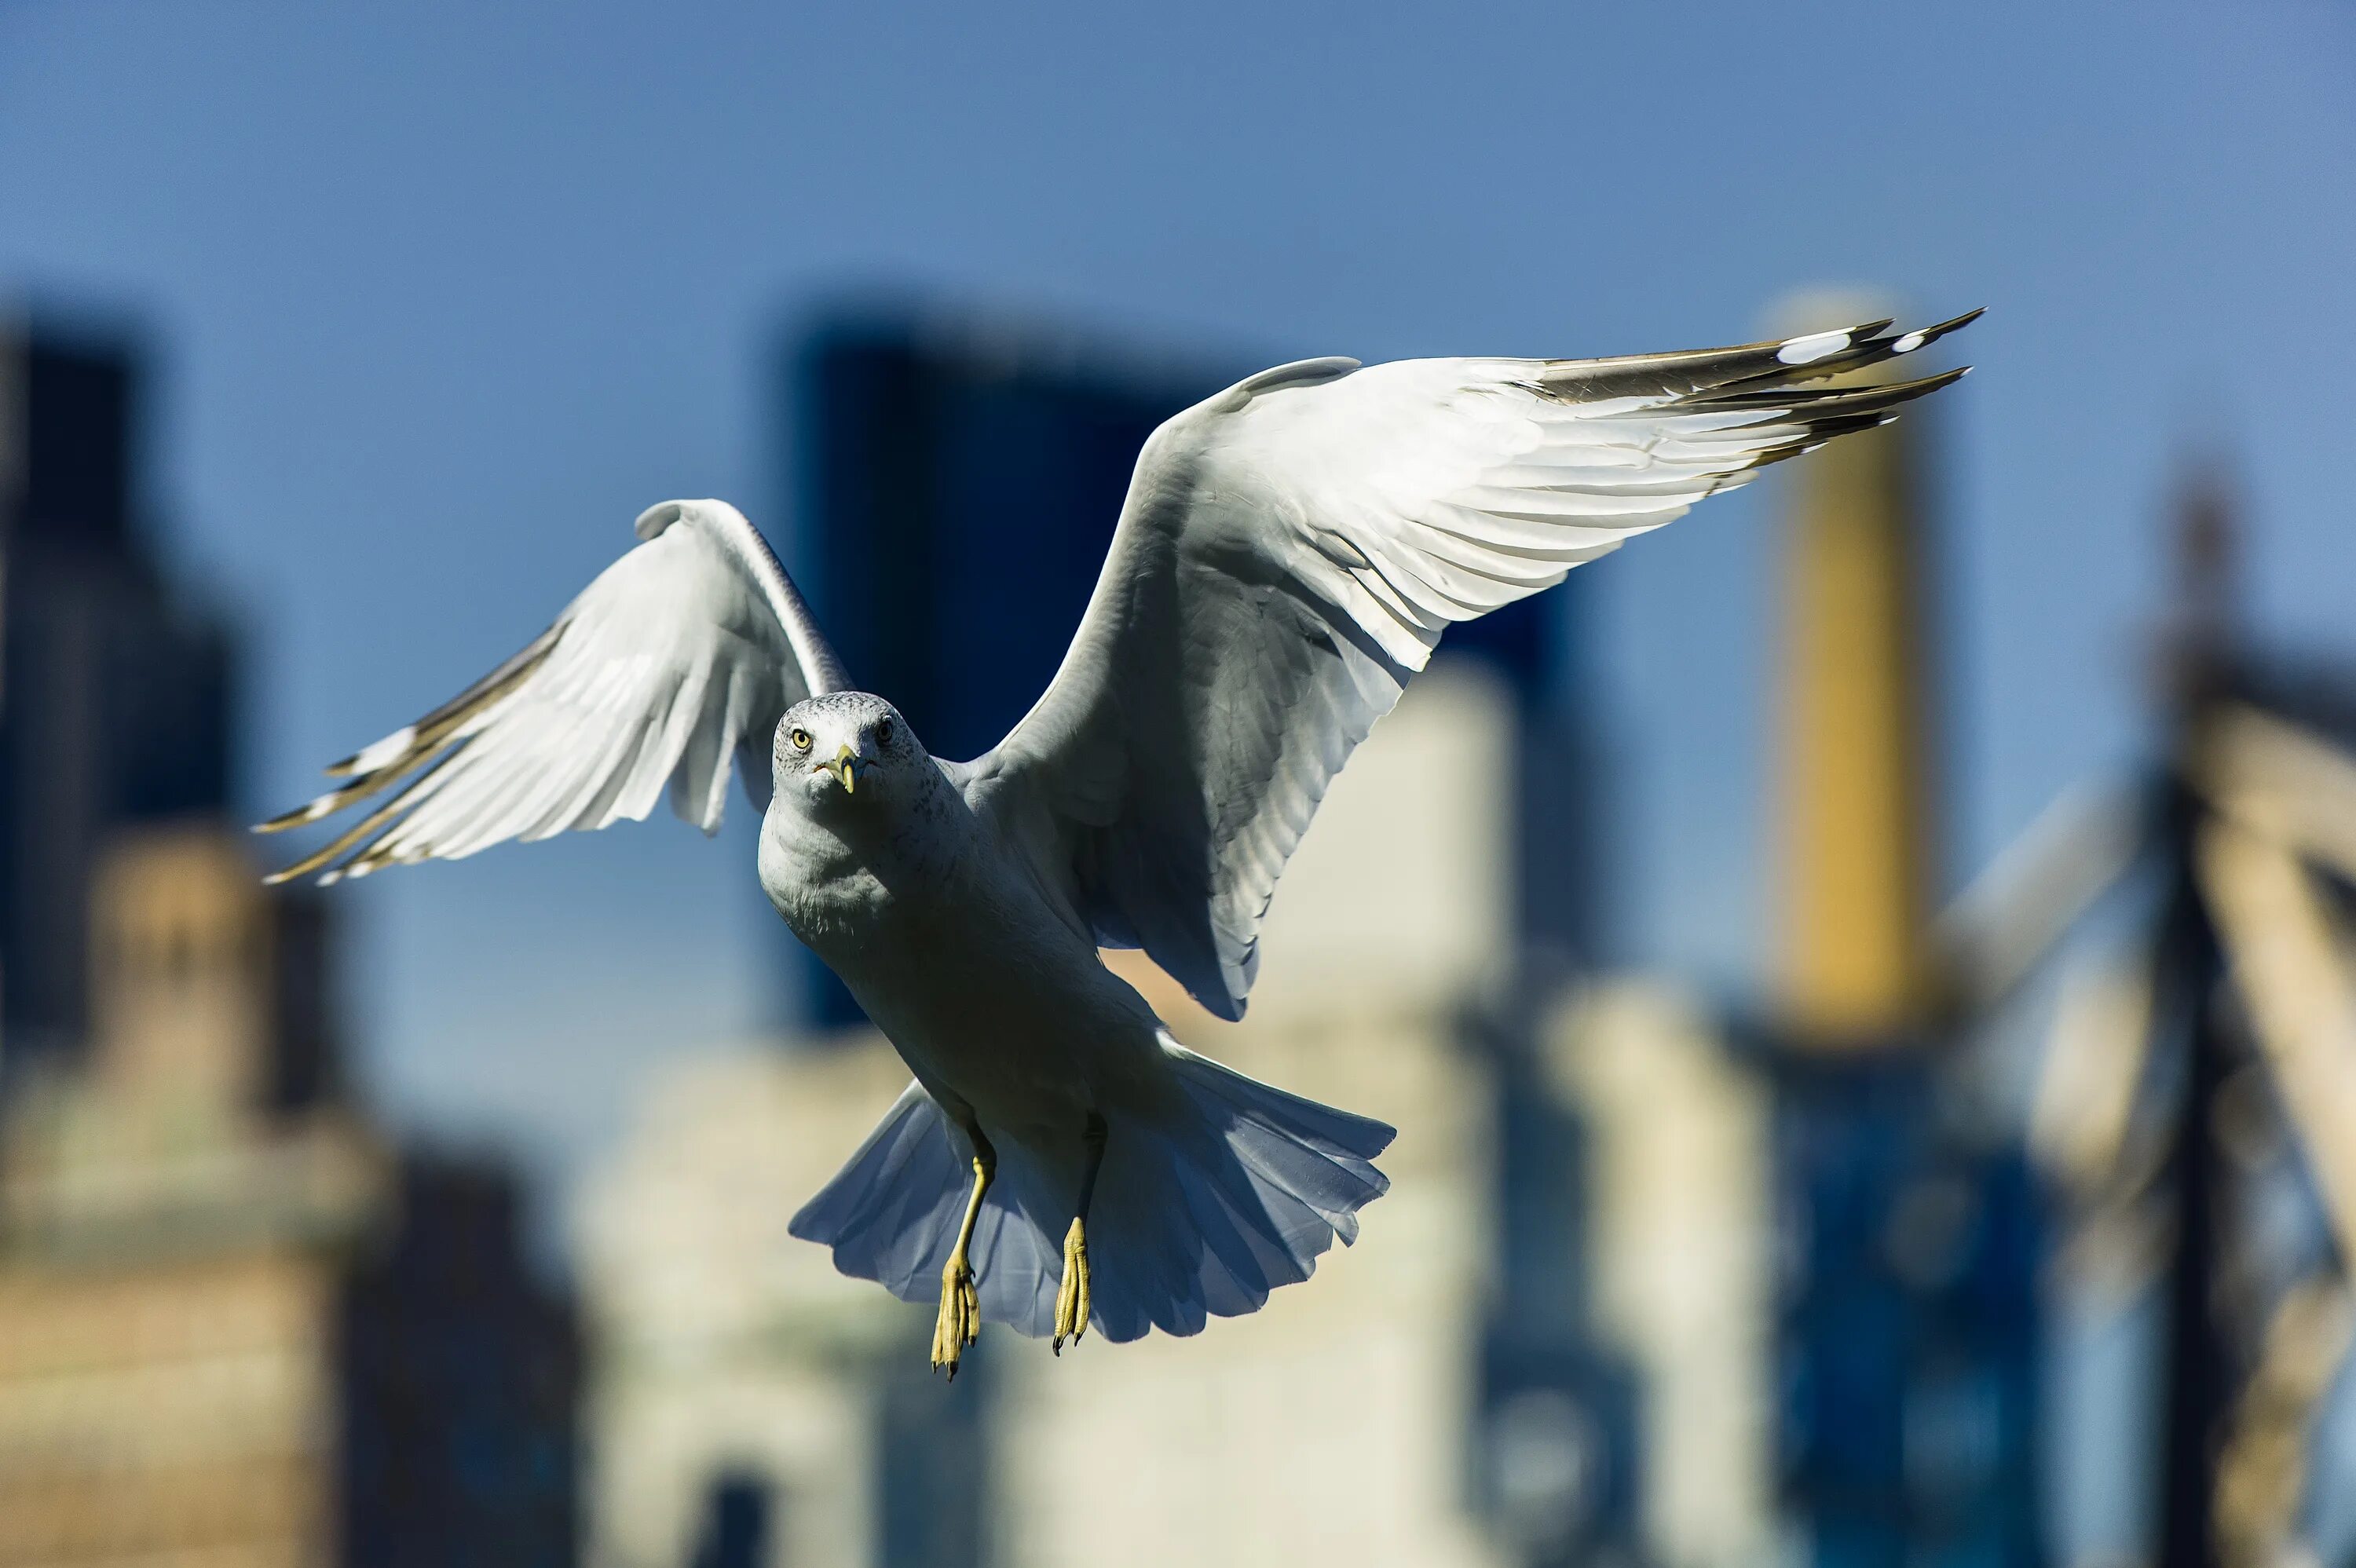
(885, 1210)
(891, 1214)
(1018, 1254)
(1349, 1140)
(1199, 1212)
(1141, 1239)
(1239, 1269)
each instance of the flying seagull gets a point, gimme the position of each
(1288, 554)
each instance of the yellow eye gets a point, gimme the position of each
(800, 738)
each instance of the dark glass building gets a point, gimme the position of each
(114, 689)
(1907, 1318)
(459, 1374)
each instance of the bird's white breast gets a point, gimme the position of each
(986, 992)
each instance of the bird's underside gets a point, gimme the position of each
(1289, 553)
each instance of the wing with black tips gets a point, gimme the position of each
(681, 654)
(1289, 555)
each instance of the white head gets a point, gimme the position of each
(849, 755)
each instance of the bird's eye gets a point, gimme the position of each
(800, 738)
(884, 733)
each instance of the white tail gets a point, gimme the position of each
(1198, 1213)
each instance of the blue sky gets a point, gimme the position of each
(444, 294)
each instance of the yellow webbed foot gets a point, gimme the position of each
(959, 1322)
(1072, 1295)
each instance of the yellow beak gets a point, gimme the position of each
(845, 769)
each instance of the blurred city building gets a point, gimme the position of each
(1907, 1298)
(114, 683)
(1810, 1231)
(238, 1325)
(1678, 1217)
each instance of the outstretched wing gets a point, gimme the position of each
(689, 648)
(1288, 554)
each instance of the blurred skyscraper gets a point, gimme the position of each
(1820, 1169)
(237, 1326)
(1909, 1329)
(114, 687)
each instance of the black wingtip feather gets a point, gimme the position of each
(1827, 414)
(1810, 402)
(1702, 371)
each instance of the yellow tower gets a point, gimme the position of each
(1855, 841)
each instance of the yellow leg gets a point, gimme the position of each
(959, 1322)
(1072, 1295)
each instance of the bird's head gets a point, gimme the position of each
(846, 749)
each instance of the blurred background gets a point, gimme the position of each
(1875, 1042)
